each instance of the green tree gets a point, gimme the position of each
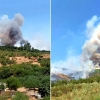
(19, 71)
(1, 87)
(44, 86)
(5, 73)
(32, 82)
(13, 83)
(27, 46)
(45, 62)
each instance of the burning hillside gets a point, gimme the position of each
(89, 59)
(57, 77)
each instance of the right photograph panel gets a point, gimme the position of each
(75, 52)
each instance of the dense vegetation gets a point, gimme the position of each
(82, 89)
(28, 75)
(26, 51)
(25, 74)
(18, 96)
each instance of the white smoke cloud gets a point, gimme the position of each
(91, 46)
(40, 42)
(69, 63)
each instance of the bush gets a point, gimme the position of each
(84, 91)
(3, 98)
(44, 86)
(32, 82)
(1, 87)
(58, 93)
(46, 98)
(5, 72)
(20, 96)
(45, 62)
(13, 83)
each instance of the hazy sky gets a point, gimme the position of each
(36, 13)
(68, 34)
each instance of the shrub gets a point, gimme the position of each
(20, 96)
(84, 91)
(44, 86)
(46, 98)
(5, 72)
(13, 83)
(3, 98)
(1, 87)
(32, 82)
(45, 62)
(59, 93)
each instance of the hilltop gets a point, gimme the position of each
(24, 54)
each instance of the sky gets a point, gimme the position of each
(36, 13)
(69, 19)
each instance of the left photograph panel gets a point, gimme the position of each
(25, 42)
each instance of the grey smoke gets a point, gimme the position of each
(10, 32)
(22, 42)
(91, 46)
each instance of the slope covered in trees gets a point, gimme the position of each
(27, 73)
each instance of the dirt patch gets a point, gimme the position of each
(23, 59)
(46, 55)
(22, 89)
(0, 65)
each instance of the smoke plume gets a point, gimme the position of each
(92, 45)
(10, 32)
(90, 55)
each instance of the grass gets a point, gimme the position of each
(84, 91)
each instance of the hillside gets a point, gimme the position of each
(10, 55)
(79, 74)
(77, 88)
(56, 77)
(24, 68)
(66, 74)
(81, 89)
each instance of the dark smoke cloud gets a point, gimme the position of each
(10, 32)
(22, 42)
